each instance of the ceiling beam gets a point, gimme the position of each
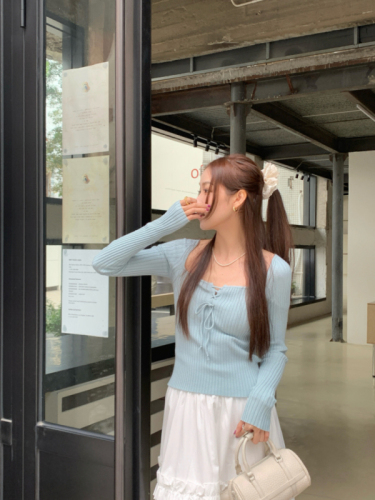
(187, 127)
(271, 89)
(311, 151)
(305, 167)
(356, 144)
(342, 60)
(167, 130)
(290, 151)
(365, 97)
(287, 120)
(189, 100)
(193, 127)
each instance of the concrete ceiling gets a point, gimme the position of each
(303, 96)
(333, 114)
(298, 131)
(187, 28)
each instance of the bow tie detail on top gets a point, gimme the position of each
(208, 323)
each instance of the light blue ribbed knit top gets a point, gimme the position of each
(214, 360)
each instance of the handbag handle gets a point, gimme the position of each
(269, 445)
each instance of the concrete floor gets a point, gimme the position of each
(325, 403)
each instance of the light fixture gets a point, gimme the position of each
(195, 142)
(302, 176)
(246, 3)
(207, 148)
(308, 179)
(365, 111)
(217, 150)
(299, 164)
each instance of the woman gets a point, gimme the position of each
(232, 296)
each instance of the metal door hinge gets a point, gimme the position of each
(6, 431)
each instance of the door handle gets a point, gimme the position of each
(6, 431)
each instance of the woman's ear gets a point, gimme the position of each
(241, 196)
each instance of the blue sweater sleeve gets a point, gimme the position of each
(262, 396)
(127, 256)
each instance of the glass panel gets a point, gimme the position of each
(304, 281)
(298, 284)
(80, 216)
(169, 185)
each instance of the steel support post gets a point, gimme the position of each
(337, 246)
(238, 114)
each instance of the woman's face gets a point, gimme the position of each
(224, 208)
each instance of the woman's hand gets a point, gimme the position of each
(259, 434)
(194, 210)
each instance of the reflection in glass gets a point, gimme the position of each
(169, 185)
(78, 383)
(162, 312)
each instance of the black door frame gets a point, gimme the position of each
(133, 339)
(31, 463)
(21, 239)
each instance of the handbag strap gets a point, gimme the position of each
(241, 441)
(270, 448)
(269, 445)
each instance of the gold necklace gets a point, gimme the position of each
(223, 265)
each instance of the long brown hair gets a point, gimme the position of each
(236, 172)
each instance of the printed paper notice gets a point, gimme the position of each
(85, 103)
(84, 304)
(85, 205)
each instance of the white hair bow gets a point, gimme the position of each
(270, 175)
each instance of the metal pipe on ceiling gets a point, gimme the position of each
(246, 3)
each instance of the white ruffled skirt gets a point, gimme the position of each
(197, 447)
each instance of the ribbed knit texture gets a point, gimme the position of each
(214, 360)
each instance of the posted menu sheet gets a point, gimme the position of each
(85, 104)
(85, 299)
(85, 205)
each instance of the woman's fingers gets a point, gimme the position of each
(238, 432)
(243, 427)
(187, 200)
(257, 438)
(194, 210)
(259, 435)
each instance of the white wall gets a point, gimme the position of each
(175, 171)
(345, 260)
(361, 244)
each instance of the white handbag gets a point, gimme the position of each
(280, 475)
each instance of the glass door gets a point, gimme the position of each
(80, 216)
(79, 203)
(76, 358)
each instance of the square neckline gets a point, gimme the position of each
(225, 286)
